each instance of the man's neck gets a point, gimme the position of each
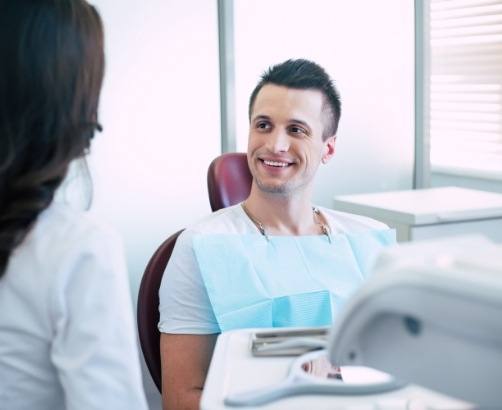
(282, 214)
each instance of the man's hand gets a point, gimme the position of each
(185, 361)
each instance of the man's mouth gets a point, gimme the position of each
(276, 164)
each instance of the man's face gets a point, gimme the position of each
(285, 143)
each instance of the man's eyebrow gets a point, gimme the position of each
(301, 122)
(261, 117)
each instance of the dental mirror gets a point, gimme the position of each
(312, 373)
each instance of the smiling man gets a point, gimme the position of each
(275, 260)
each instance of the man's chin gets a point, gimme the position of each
(274, 188)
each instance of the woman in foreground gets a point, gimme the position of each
(66, 330)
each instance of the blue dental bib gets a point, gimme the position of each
(286, 280)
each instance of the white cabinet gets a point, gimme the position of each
(430, 213)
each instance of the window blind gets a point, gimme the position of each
(465, 87)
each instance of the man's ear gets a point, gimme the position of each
(328, 149)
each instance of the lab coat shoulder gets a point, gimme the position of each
(90, 310)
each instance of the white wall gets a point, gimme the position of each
(160, 112)
(367, 47)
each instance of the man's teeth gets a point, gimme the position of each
(275, 163)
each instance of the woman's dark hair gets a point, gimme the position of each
(304, 75)
(51, 70)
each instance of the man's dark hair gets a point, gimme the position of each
(304, 75)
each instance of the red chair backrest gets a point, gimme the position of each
(228, 180)
(148, 308)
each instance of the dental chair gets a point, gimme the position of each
(229, 182)
(148, 307)
(431, 314)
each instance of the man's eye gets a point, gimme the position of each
(297, 130)
(263, 125)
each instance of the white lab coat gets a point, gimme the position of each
(67, 338)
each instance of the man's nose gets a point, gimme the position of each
(278, 141)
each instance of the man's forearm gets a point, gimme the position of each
(187, 400)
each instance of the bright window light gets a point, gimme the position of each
(464, 87)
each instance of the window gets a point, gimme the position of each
(465, 87)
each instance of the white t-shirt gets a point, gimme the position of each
(184, 304)
(67, 337)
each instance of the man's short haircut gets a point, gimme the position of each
(304, 75)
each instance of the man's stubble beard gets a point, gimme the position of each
(286, 189)
(282, 189)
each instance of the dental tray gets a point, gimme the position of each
(288, 342)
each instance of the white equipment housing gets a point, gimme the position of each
(431, 314)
